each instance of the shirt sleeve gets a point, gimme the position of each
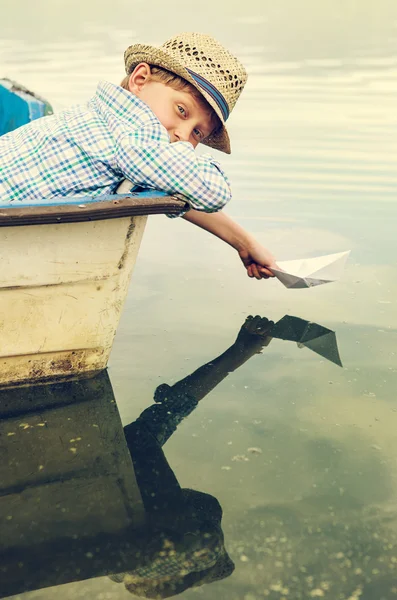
(148, 161)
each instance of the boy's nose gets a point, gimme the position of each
(181, 134)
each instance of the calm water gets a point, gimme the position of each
(300, 453)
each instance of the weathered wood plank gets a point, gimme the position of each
(87, 209)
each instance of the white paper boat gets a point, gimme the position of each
(308, 272)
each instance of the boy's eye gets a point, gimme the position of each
(197, 133)
(181, 110)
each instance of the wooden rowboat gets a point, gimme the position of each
(65, 269)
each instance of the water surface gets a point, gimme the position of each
(312, 513)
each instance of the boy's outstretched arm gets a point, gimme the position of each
(174, 403)
(255, 257)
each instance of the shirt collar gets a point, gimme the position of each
(111, 97)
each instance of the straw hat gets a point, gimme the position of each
(204, 63)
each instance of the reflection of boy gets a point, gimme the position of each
(188, 548)
(173, 98)
(184, 540)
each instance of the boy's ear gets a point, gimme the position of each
(138, 78)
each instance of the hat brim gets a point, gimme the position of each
(138, 53)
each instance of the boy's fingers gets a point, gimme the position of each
(267, 272)
(259, 272)
(255, 271)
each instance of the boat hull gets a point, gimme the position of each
(62, 290)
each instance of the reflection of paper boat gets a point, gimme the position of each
(309, 272)
(310, 335)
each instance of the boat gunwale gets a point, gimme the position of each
(86, 208)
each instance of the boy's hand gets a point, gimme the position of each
(257, 260)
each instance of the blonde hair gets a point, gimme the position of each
(178, 83)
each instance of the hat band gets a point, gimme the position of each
(212, 91)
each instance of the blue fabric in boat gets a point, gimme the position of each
(18, 106)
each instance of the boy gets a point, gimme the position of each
(173, 98)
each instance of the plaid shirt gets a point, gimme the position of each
(89, 149)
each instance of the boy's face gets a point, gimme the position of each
(183, 116)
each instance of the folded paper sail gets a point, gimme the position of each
(310, 335)
(308, 272)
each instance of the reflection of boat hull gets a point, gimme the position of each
(70, 504)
